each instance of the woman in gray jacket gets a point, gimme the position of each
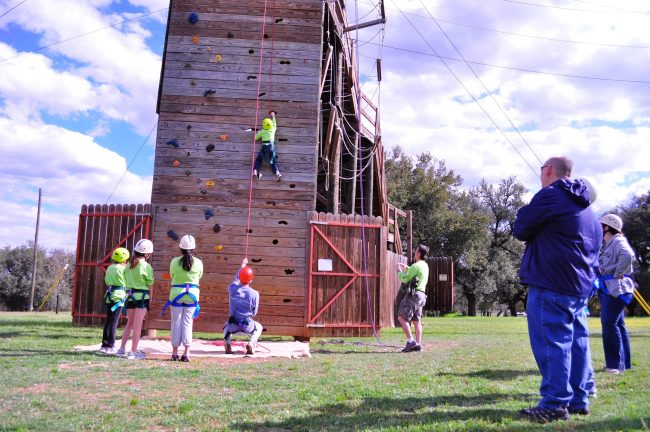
(616, 291)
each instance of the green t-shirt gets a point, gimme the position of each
(180, 276)
(116, 276)
(140, 277)
(420, 270)
(267, 135)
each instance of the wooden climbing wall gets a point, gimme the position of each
(208, 103)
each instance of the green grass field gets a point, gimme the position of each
(475, 374)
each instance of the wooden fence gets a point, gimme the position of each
(440, 288)
(102, 228)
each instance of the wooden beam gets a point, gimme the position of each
(364, 25)
(409, 233)
(328, 61)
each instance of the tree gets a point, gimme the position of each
(16, 273)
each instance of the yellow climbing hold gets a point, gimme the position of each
(218, 247)
(217, 57)
(209, 183)
(195, 39)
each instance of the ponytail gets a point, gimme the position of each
(187, 260)
(135, 259)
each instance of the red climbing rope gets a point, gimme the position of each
(257, 109)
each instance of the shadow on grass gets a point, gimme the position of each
(329, 352)
(399, 413)
(41, 352)
(35, 322)
(495, 374)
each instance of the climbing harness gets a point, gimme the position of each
(175, 303)
(107, 297)
(129, 296)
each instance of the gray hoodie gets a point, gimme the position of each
(616, 258)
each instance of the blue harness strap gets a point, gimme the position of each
(129, 295)
(107, 297)
(600, 281)
(175, 303)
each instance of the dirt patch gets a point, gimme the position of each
(35, 389)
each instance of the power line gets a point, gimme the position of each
(82, 35)
(131, 162)
(574, 9)
(482, 84)
(467, 90)
(12, 8)
(622, 80)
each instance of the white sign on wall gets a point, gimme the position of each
(442, 277)
(324, 264)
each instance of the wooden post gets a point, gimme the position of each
(34, 262)
(409, 233)
(369, 184)
(352, 172)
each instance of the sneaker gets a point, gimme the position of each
(580, 411)
(174, 357)
(250, 348)
(409, 346)
(417, 347)
(120, 353)
(228, 348)
(185, 358)
(110, 351)
(545, 415)
(612, 371)
(257, 174)
(593, 393)
(138, 355)
(278, 176)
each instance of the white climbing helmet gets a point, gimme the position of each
(593, 193)
(144, 246)
(613, 221)
(187, 242)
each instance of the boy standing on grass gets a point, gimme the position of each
(267, 151)
(115, 280)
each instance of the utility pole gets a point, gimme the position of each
(38, 222)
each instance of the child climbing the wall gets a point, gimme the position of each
(244, 305)
(139, 279)
(186, 272)
(115, 280)
(267, 151)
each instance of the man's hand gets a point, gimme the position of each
(273, 113)
(244, 262)
(401, 266)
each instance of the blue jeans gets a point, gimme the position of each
(267, 151)
(616, 341)
(559, 338)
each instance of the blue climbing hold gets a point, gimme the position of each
(172, 235)
(173, 142)
(208, 214)
(193, 18)
(209, 92)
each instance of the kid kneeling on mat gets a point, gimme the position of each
(139, 279)
(244, 304)
(115, 280)
(186, 272)
(267, 151)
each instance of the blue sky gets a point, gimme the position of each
(72, 116)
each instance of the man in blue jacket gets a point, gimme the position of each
(562, 236)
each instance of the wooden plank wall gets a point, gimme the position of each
(359, 304)
(204, 151)
(99, 234)
(440, 292)
(390, 290)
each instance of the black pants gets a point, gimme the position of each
(110, 327)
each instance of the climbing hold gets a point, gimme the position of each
(195, 39)
(271, 203)
(266, 36)
(193, 18)
(188, 66)
(216, 228)
(289, 271)
(189, 153)
(292, 185)
(209, 183)
(283, 223)
(285, 62)
(188, 172)
(203, 191)
(230, 35)
(218, 247)
(184, 209)
(278, 20)
(171, 234)
(193, 82)
(176, 163)
(256, 260)
(275, 241)
(166, 276)
(208, 213)
(173, 142)
(223, 137)
(261, 94)
(218, 57)
(283, 139)
(286, 300)
(209, 92)
(250, 77)
(209, 148)
(209, 49)
(188, 127)
(251, 51)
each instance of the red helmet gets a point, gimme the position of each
(246, 275)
